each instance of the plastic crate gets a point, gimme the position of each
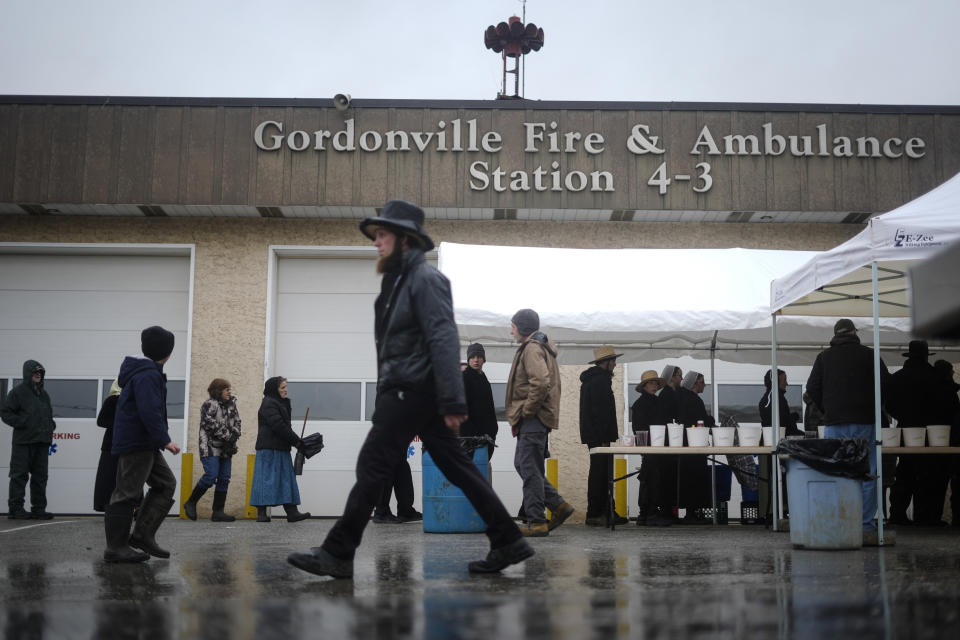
(750, 512)
(722, 515)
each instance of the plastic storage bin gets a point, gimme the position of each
(445, 508)
(825, 510)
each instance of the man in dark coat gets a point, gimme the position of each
(482, 413)
(140, 435)
(598, 428)
(28, 410)
(841, 385)
(419, 392)
(919, 397)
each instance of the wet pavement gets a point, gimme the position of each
(232, 581)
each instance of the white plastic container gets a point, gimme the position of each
(627, 440)
(723, 436)
(768, 435)
(821, 430)
(938, 435)
(698, 436)
(914, 436)
(749, 436)
(658, 434)
(890, 437)
(675, 434)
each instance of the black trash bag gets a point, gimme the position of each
(472, 443)
(309, 447)
(842, 457)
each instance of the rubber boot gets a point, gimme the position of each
(263, 514)
(294, 515)
(152, 512)
(190, 506)
(116, 524)
(220, 499)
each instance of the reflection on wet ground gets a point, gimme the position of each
(232, 581)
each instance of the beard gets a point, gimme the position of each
(392, 261)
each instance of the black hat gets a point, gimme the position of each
(844, 325)
(156, 343)
(918, 349)
(527, 321)
(399, 216)
(476, 349)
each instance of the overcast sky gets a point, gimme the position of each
(820, 51)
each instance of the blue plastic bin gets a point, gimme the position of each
(825, 511)
(445, 508)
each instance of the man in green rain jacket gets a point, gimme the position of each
(27, 409)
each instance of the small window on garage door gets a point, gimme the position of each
(71, 398)
(335, 401)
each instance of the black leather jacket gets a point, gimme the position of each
(418, 347)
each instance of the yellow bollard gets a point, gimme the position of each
(553, 476)
(620, 494)
(251, 512)
(186, 480)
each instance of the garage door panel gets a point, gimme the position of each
(94, 273)
(91, 310)
(327, 275)
(324, 313)
(81, 353)
(328, 356)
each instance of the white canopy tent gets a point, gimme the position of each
(866, 276)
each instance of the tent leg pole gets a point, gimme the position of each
(877, 409)
(775, 419)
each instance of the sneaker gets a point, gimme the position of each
(414, 516)
(559, 515)
(386, 518)
(19, 514)
(535, 530)
(598, 521)
(501, 558)
(321, 563)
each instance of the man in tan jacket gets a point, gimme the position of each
(533, 410)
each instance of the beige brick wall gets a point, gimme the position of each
(229, 312)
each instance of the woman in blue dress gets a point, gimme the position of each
(274, 481)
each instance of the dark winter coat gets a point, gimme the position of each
(108, 413)
(28, 410)
(273, 422)
(418, 347)
(482, 420)
(645, 411)
(694, 477)
(140, 423)
(787, 418)
(841, 381)
(598, 408)
(919, 396)
(691, 409)
(668, 406)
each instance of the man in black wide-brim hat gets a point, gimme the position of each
(419, 393)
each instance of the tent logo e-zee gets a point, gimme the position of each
(902, 239)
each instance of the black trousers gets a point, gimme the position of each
(399, 416)
(598, 482)
(28, 461)
(139, 467)
(402, 487)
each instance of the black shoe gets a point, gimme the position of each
(901, 520)
(41, 515)
(499, 559)
(321, 563)
(294, 514)
(19, 514)
(659, 520)
(263, 514)
(620, 520)
(414, 516)
(386, 518)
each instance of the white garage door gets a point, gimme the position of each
(79, 315)
(323, 345)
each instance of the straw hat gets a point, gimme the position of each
(604, 353)
(647, 376)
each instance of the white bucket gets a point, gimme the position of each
(722, 436)
(938, 435)
(890, 436)
(749, 436)
(768, 435)
(675, 434)
(658, 434)
(914, 436)
(821, 430)
(697, 436)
